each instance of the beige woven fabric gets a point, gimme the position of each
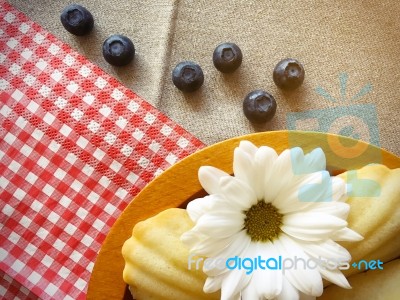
(350, 51)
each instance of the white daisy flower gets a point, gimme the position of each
(274, 206)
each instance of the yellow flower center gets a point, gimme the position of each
(262, 222)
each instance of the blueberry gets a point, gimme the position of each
(288, 74)
(77, 20)
(187, 76)
(118, 50)
(227, 57)
(259, 106)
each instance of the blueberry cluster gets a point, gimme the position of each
(259, 106)
(188, 76)
(118, 50)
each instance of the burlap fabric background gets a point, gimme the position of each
(350, 51)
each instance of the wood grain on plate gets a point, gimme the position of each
(179, 184)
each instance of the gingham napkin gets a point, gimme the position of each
(75, 147)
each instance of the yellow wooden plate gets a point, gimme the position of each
(179, 184)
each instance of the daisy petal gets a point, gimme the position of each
(335, 276)
(220, 224)
(209, 178)
(265, 284)
(321, 191)
(309, 220)
(311, 235)
(238, 192)
(253, 167)
(243, 166)
(306, 280)
(337, 209)
(312, 162)
(346, 234)
(191, 238)
(297, 196)
(233, 283)
(315, 160)
(239, 245)
(212, 284)
(311, 226)
(232, 204)
(320, 187)
(282, 175)
(210, 246)
(339, 190)
(326, 250)
(250, 292)
(198, 207)
(264, 160)
(268, 282)
(248, 147)
(202, 244)
(288, 291)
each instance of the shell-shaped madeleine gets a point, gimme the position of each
(156, 261)
(373, 284)
(374, 213)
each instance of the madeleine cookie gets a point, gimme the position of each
(374, 213)
(156, 262)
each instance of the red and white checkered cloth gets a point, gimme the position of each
(75, 147)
